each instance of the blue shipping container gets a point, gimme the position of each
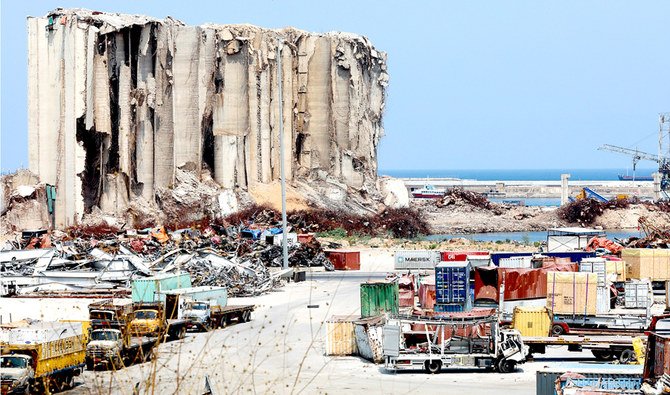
(452, 283)
(603, 376)
(448, 308)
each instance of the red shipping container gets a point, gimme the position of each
(520, 283)
(427, 295)
(459, 256)
(657, 358)
(345, 260)
(406, 291)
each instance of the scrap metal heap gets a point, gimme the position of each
(123, 109)
(106, 260)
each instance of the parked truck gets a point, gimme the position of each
(453, 340)
(155, 320)
(42, 357)
(204, 307)
(116, 348)
(204, 316)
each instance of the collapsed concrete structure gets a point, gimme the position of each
(119, 105)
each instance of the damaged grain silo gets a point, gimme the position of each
(120, 104)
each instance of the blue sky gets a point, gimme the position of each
(504, 84)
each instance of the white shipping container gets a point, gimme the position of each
(479, 260)
(636, 294)
(595, 265)
(602, 300)
(42, 332)
(508, 306)
(416, 259)
(517, 262)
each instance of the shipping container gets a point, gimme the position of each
(379, 298)
(603, 300)
(595, 265)
(369, 333)
(657, 358)
(570, 239)
(479, 260)
(149, 289)
(519, 283)
(532, 321)
(215, 295)
(574, 256)
(341, 336)
(427, 295)
(416, 259)
(637, 294)
(572, 293)
(450, 307)
(608, 375)
(516, 262)
(459, 256)
(647, 263)
(345, 260)
(452, 282)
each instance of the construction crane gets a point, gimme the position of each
(662, 160)
(637, 155)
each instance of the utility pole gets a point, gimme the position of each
(282, 171)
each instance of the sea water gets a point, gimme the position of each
(517, 174)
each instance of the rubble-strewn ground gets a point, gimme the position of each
(462, 217)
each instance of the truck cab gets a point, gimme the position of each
(16, 373)
(198, 313)
(106, 346)
(147, 322)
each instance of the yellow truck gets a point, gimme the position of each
(42, 357)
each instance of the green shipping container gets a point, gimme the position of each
(379, 298)
(150, 289)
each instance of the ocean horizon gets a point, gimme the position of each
(518, 174)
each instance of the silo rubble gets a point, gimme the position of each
(124, 108)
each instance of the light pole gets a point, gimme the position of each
(282, 171)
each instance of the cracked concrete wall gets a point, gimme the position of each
(118, 102)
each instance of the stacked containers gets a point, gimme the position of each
(452, 287)
(598, 266)
(379, 298)
(636, 294)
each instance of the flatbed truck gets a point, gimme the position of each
(604, 348)
(447, 342)
(202, 316)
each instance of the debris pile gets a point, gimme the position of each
(398, 222)
(459, 196)
(585, 211)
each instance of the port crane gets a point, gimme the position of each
(663, 161)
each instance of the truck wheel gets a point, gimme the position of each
(182, 333)
(223, 322)
(557, 330)
(506, 366)
(68, 383)
(603, 355)
(433, 366)
(246, 316)
(627, 356)
(89, 364)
